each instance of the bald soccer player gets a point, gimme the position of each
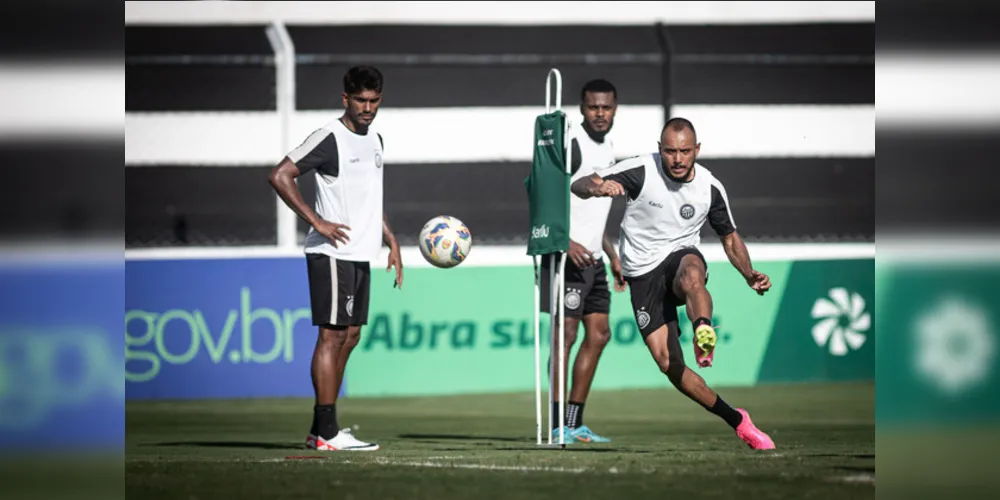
(669, 198)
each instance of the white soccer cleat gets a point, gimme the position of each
(343, 441)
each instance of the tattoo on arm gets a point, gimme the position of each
(585, 187)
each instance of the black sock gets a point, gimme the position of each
(325, 421)
(722, 409)
(555, 415)
(574, 414)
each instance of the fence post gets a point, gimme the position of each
(284, 64)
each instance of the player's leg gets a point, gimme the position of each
(572, 313)
(665, 348)
(571, 325)
(688, 286)
(343, 305)
(357, 290)
(596, 336)
(353, 335)
(321, 271)
(329, 343)
(597, 333)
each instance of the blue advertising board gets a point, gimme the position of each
(61, 355)
(220, 328)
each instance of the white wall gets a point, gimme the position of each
(496, 13)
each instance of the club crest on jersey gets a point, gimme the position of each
(687, 211)
(378, 160)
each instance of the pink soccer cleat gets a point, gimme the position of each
(751, 435)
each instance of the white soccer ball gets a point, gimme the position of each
(445, 241)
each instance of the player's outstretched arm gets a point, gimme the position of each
(395, 257)
(282, 179)
(594, 185)
(738, 255)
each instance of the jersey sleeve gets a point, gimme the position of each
(317, 152)
(630, 173)
(720, 216)
(576, 160)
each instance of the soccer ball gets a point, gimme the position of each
(445, 241)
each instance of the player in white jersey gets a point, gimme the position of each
(586, 294)
(347, 230)
(669, 198)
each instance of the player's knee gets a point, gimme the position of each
(663, 361)
(353, 336)
(599, 338)
(332, 337)
(676, 369)
(570, 327)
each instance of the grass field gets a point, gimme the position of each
(664, 446)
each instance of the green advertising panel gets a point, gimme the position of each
(824, 328)
(939, 351)
(468, 330)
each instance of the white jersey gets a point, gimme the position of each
(589, 217)
(348, 170)
(663, 215)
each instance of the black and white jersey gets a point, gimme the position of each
(589, 217)
(663, 215)
(348, 170)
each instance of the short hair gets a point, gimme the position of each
(678, 124)
(599, 85)
(361, 78)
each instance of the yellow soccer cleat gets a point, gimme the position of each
(704, 345)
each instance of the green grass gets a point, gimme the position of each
(440, 448)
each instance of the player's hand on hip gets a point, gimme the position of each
(759, 282)
(336, 232)
(580, 255)
(610, 188)
(616, 271)
(396, 259)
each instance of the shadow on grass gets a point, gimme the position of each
(856, 469)
(461, 437)
(233, 444)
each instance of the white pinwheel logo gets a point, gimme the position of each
(843, 321)
(955, 345)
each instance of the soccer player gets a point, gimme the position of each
(586, 295)
(346, 232)
(669, 198)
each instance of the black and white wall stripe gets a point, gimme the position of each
(785, 112)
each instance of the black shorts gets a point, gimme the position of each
(653, 300)
(338, 290)
(586, 289)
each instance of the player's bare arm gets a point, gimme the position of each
(395, 257)
(594, 185)
(282, 179)
(738, 255)
(616, 264)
